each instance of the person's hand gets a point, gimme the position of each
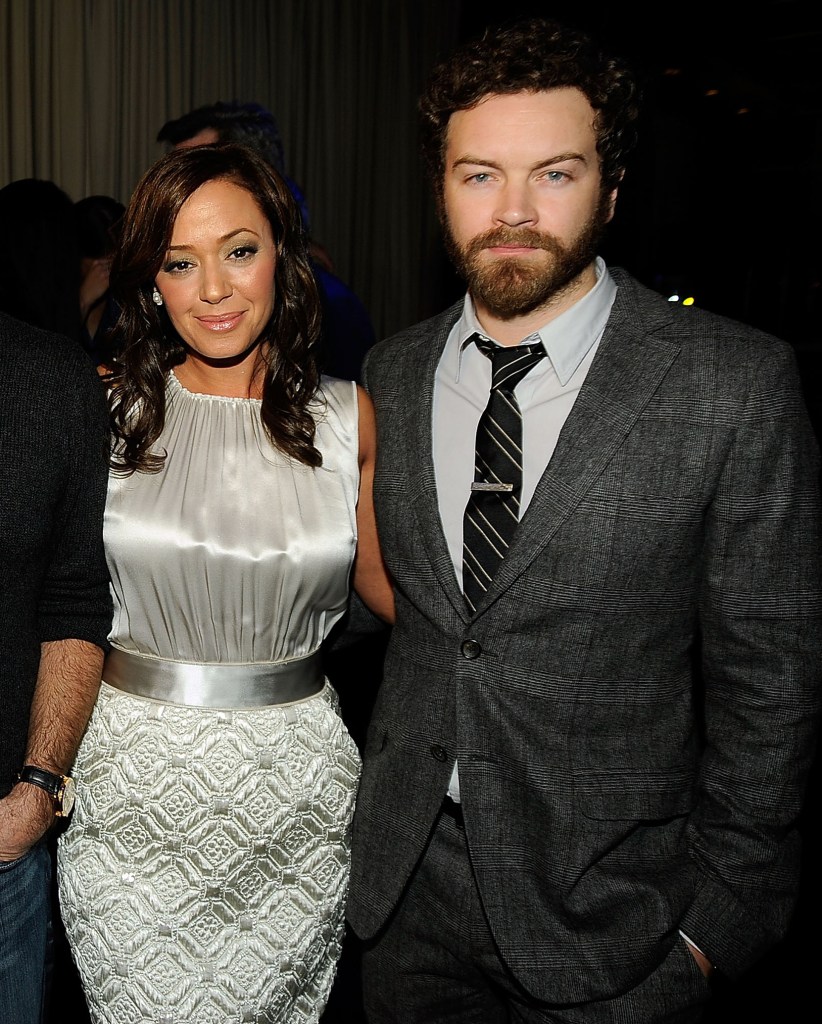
(26, 814)
(703, 962)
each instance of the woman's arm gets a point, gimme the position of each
(371, 579)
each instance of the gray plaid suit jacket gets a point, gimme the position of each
(634, 706)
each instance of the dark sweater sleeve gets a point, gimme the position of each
(75, 602)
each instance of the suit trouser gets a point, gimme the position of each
(436, 961)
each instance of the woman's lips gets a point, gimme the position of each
(222, 322)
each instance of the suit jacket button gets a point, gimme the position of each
(471, 649)
(439, 753)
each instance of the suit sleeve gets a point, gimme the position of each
(761, 631)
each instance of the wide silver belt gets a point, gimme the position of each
(214, 686)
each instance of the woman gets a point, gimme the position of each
(204, 873)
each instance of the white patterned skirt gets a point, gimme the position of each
(204, 871)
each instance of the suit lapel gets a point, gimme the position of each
(424, 355)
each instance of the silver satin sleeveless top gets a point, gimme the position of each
(234, 553)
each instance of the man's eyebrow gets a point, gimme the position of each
(475, 161)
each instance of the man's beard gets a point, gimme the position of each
(508, 286)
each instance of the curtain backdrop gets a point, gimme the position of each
(85, 85)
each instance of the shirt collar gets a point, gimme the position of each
(567, 339)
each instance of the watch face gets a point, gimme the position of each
(67, 802)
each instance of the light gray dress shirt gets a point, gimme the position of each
(546, 396)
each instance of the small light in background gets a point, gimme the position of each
(673, 298)
(689, 301)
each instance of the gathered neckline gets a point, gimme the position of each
(178, 386)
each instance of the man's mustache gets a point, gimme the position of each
(526, 237)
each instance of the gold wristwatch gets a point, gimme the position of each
(59, 787)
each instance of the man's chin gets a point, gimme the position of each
(510, 309)
(509, 289)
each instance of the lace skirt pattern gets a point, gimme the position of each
(203, 874)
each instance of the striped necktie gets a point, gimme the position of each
(492, 512)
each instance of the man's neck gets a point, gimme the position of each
(512, 330)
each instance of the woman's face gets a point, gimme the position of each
(217, 281)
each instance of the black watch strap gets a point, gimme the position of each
(48, 781)
(59, 787)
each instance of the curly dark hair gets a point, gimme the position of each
(144, 340)
(530, 56)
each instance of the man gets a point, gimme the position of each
(248, 123)
(55, 613)
(347, 332)
(588, 753)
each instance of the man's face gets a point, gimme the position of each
(522, 198)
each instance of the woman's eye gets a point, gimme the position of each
(243, 252)
(177, 266)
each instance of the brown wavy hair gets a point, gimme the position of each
(144, 340)
(531, 56)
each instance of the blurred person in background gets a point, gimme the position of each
(98, 220)
(39, 256)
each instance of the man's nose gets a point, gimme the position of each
(516, 206)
